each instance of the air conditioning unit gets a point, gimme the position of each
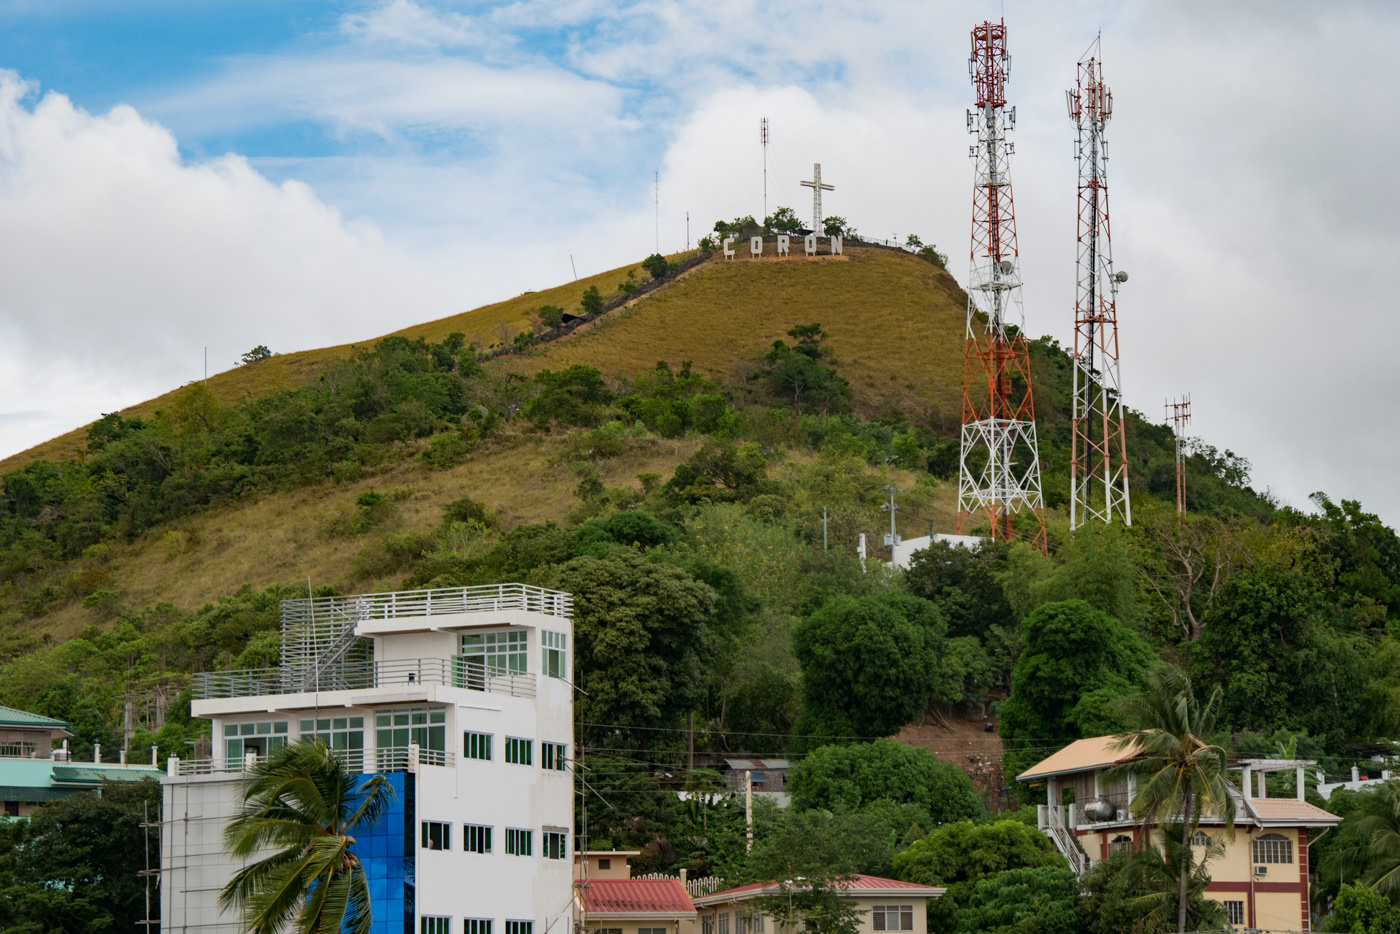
(1261, 870)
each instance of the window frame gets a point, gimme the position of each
(903, 917)
(478, 833)
(554, 843)
(514, 745)
(1234, 911)
(434, 924)
(1272, 849)
(515, 836)
(476, 745)
(519, 926)
(430, 829)
(554, 757)
(476, 926)
(554, 654)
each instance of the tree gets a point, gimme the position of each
(259, 352)
(1137, 892)
(1377, 824)
(1180, 777)
(1041, 900)
(783, 220)
(302, 802)
(592, 301)
(856, 775)
(817, 904)
(657, 266)
(798, 373)
(873, 662)
(836, 226)
(72, 865)
(1076, 663)
(1359, 910)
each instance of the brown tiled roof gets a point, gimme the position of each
(1096, 752)
(1290, 809)
(635, 896)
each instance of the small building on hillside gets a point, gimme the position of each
(603, 864)
(1262, 877)
(883, 905)
(767, 775)
(33, 770)
(607, 900)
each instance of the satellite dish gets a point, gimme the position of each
(1120, 276)
(1006, 267)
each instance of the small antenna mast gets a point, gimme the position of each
(763, 138)
(656, 198)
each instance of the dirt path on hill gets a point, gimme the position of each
(963, 740)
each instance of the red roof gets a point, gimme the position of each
(635, 896)
(859, 884)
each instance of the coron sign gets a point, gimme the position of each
(784, 245)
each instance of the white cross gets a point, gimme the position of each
(816, 185)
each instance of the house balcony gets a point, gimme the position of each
(353, 675)
(411, 758)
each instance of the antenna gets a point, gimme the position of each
(1178, 412)
(999, 458)
(1098, 471)
(656, 199)
(763, 138)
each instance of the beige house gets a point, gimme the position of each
(884, 905)
(607, 900)
(1262, 878)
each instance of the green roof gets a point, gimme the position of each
(96, 774)
(9, 716)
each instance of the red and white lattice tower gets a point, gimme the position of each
(1098, 472)
(999, 463)
(1179, 414)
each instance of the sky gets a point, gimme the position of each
(181, 180)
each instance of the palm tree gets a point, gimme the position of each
(300, 802)
(1180, 777)
(1379, 826)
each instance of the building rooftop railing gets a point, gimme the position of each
(359, 675)
(391, 759)
(418, 603)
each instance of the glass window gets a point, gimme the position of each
(1120, 844)
(707, 924)
(651, 931)
(1234, 912)
(476, 926)
(724, 922)
(430, 924)
(499, 653)
(394, 730)
(1273, 848)
(556, 844)
(555, 660)
(758, 922)
(263, 737)
(344, 735)
(554, 757)
(520, 927)
(476, 745)
(436, 835)
(476, 838)
(519, 751)
(519, 842)
(893, 917)
(1199, 838)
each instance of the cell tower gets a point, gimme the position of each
(1179, 414)
(999, 463)
(1098, 472)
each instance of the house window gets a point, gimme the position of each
(1234, 912)
(555, 657)
(476, 838)
(432, 924)
(262, 737)
(519, 842)
(520, 927)
(519, 751)
(395, 730)
(554, 757)
(741, 922)
(1200, 838)
(1120, 844)
(707, 924)
(436, 836)
(651, 931)
(476, 745)
(758, 922)
(605, 931)
(1273, 848)
(497, 653)
(476, 926)
(893, 917)
(344, 735)
(556, 844)
(723, 922)
(604, 864)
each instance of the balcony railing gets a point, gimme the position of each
(359, 761)
(419, 603)
(358, 675)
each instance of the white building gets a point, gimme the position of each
(460, 697)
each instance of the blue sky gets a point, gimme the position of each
(176, 176)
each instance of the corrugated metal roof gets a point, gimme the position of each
(859, 884)
(635, 896)
(740, 764)
(9, 716)
(1095, 752)
(1290, 809)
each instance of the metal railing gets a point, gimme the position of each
(359, 761)
(1053, 822)
(358, 675)
(418, 603)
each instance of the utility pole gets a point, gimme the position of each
(1178, 412)
(763, 138)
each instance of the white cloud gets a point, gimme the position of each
(402, 22)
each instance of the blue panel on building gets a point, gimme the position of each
(386, 851)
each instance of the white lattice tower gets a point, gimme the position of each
(1098, 474)
(999, 461)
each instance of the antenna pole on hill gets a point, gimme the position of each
(1179, 414)
(656, 199)
(763, 138)
(999, 459)
(1098, 471)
